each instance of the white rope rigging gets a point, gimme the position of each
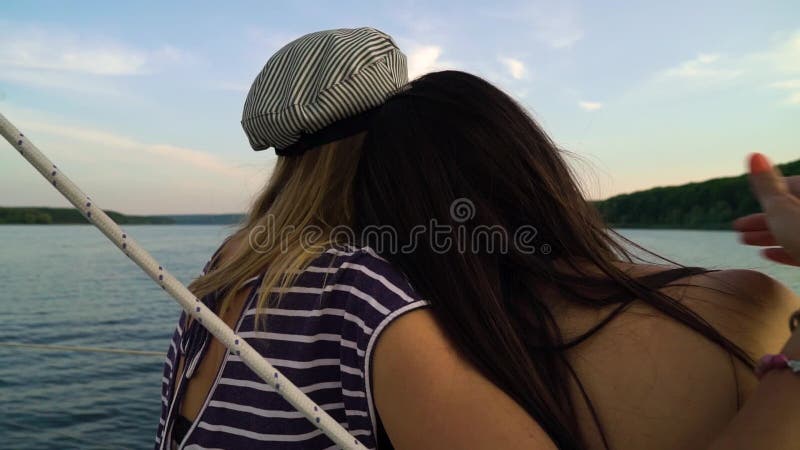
(188, 301)
(74, 348)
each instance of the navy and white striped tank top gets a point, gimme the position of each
(321, 337)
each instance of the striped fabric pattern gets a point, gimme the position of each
(321, 337)
(318, 79)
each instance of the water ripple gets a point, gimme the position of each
(67, 285)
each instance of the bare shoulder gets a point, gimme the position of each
(748, 307)
(645, 366)
(429, 397)
(767, 292)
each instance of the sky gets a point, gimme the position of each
(140, 102)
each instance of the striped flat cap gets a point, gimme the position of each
(322, 87)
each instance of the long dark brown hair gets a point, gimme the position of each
(452, 136)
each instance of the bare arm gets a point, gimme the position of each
(431, 398)
(428, 397)
(770, 417)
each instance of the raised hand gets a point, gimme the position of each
(778, 227)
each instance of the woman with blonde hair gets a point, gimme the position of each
(423, 266)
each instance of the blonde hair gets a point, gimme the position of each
(289, 224)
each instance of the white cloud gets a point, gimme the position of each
(707, 58)
(782, 60)
(115, 142)
(787, 84)
(777, 66)
(783, 57)
(422, 59)
(55, 59)
(515, 67)
(52, 53)
(59, 80)
(793, 86)
(128, 175)
(41, 50)
(590, 106)
(704, 66)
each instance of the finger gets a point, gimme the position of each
(794, 184)
(763, 238)
(752, 222)
(766, 181)
(779, 255)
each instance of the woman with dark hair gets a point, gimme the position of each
(422, 264)
(553, 330)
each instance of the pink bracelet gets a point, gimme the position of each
(780, 361)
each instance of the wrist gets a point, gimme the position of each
(779, 361)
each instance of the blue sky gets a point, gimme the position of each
(139, 102)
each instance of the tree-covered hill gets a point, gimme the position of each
(37, 215)
(710, 204)
(43, 215)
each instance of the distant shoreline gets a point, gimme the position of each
(643, 228)
(128, 224)
(71, 216)
(706, 205)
